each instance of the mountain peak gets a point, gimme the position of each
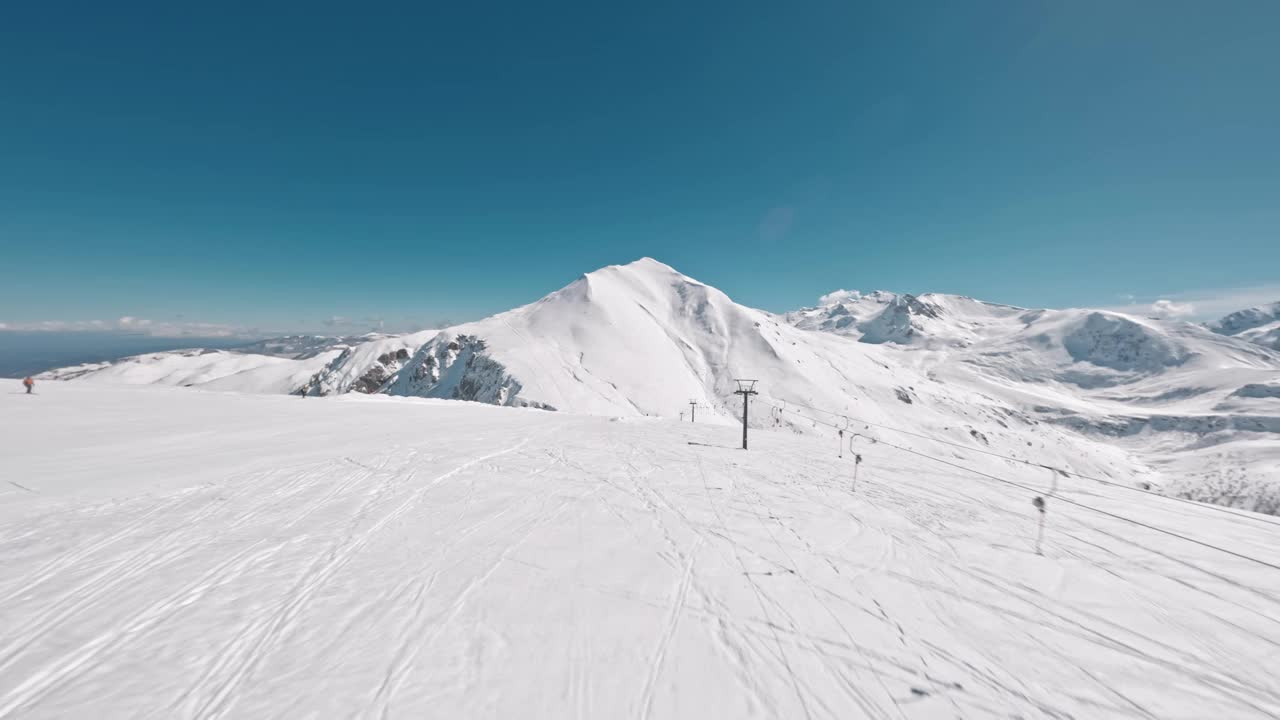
(648, 263)
(645, 272)
(644, 266)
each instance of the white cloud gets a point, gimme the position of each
(128, 322)
(132, 324)
(1208, 304)
(342, 323)
(832, 298)
(1171, 309)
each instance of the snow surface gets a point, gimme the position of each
(175, 553)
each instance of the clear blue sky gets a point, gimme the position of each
(271, 165)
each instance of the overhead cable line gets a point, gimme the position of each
(1072, 473)
(1060, 498)
(1069, 501)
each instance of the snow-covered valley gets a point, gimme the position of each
(179, 553)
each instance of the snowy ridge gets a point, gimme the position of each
(207, 369)
(1259, 325)
(932, 319)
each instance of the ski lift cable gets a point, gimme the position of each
(1085, 506)
(1192, 503)
(1113, 483)
(1069, 501)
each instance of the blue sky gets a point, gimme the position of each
(195, 166)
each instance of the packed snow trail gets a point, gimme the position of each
(205, 555)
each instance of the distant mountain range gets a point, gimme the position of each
(1189, 409)
(1259, 325)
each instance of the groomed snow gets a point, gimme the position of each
(173, 553)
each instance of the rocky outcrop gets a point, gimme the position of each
(376, 376)
(458, 368)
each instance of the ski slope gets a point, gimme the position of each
(174, 553)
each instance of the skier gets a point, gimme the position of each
(303, 391)
(29, 383)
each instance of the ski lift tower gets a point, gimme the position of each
(746, 388)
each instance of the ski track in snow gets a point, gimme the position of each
(449, 560)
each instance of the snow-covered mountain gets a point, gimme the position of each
(202, 554)
(1139, 400)
(879, 317)
(1196, 406)
(1259, 325)
(1093, 354)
